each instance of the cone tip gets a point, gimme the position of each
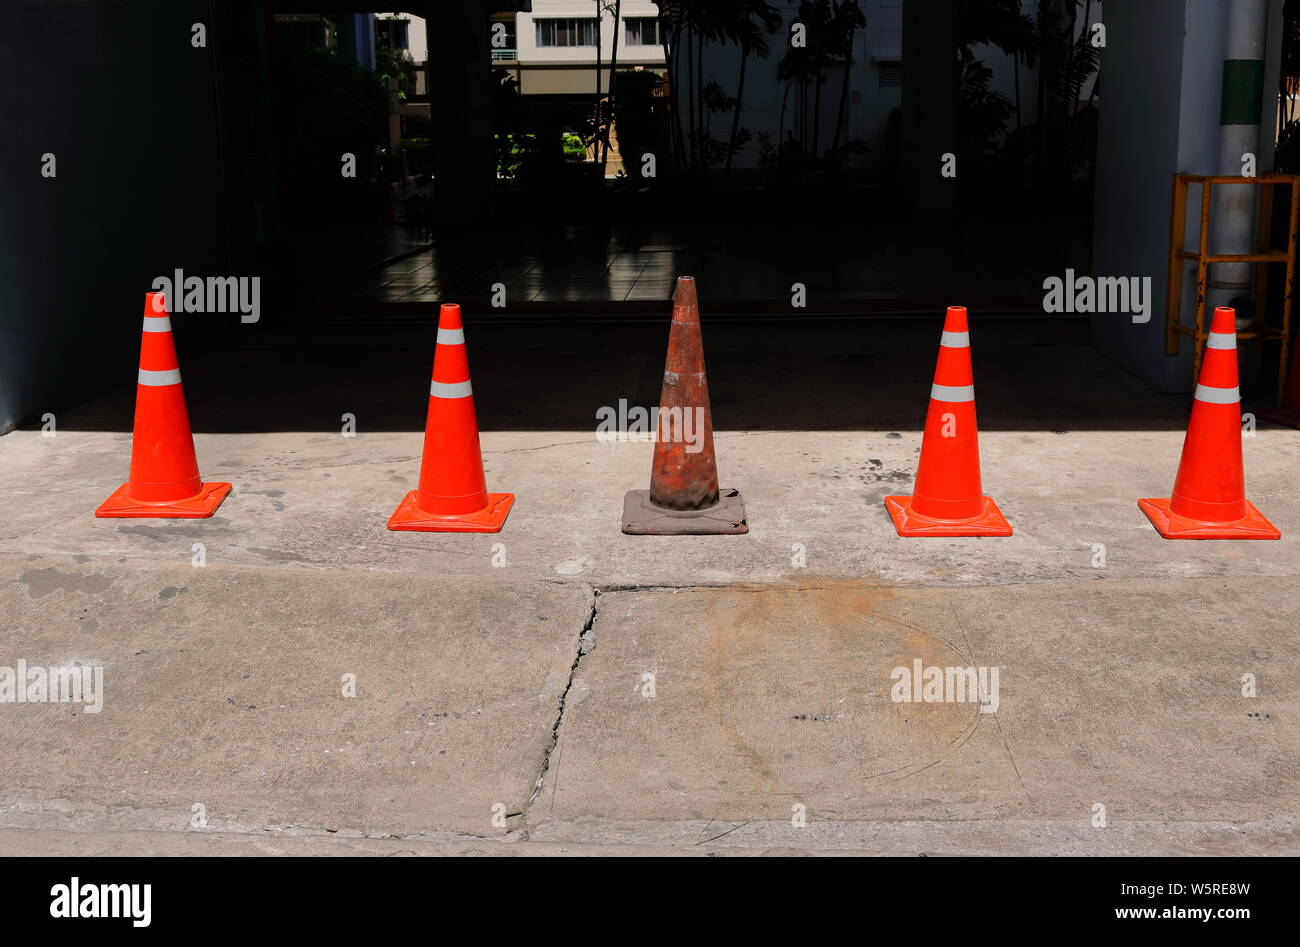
(1225, 320)
(955, 319)
(155, 303)
(449, 316)
(684, 295)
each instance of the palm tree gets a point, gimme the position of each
(613, 65)
(845, 22)
(752, 37)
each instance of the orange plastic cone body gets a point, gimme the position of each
(947, 499)
(684, 497)
(164, 479)
(452, 496)
(1209, 498)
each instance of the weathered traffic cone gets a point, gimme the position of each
(164, 481)
(684, 497)
(1209, 498)
(947, 499)
(452, 496)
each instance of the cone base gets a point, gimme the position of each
(725, 518)
(490, 519)
(988, 522)
(197, 507)
(1172, 526)
(1283, 416)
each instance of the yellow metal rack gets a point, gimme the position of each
(1202, 257)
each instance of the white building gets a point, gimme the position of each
(554, 49)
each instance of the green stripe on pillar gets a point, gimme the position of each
(1243, 91)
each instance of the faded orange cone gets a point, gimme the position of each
(1209, 497)
(452, 496)
(684, 498)
(164, 481)
(947, 499)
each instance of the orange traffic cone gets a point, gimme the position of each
(947, 500)
(1209, 498)
(684, 498)
(453, 496)
(164, 479)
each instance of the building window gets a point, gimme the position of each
(642, 31)
(890, 74)
(397, 32)
(566, 32)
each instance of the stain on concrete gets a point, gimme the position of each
(178, 532)
(749, 656)
(43, 582)
(171, 591)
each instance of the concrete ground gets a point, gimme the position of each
(560, 688)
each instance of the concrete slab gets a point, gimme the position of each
(320, 501)
(1120, 654)
(1129, 696)
(223, 688)
(595, 837)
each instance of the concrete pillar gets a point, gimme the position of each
(356, 38)
(1240, 107)
(460, 102)
(929, 117)
(1160, 104)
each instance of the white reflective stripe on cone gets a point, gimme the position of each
(170, 376)
(952, 392)
(1221, 340)
(157, 324)
(1211, 395)
(451, 336)
(455, 389)
(955, 340)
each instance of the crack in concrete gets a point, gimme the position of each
(585, 645)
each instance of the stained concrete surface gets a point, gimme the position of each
(1122, 654)
(225, 688)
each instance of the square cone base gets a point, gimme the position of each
(988, 522)
(197, 507)
(1172, 526)
(490, 519)
(724, 518)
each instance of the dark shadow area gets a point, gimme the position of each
(769, 373)
(806, 185)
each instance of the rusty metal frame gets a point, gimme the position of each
(1179, 256)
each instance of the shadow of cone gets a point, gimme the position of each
(1209, 497)
(684, 498)
(947, 499)
(452, 496)
(164, 481)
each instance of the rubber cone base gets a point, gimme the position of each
(988, 522)
(197, 507)
(724, 518)
(1172, 526)
(490, 519)
(1284, 416)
